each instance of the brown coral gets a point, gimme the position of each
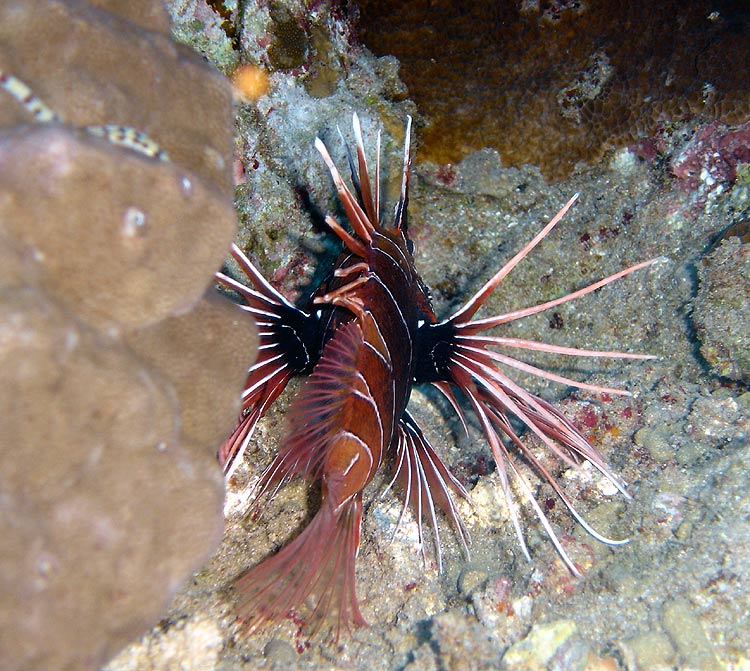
(95, 67)
(553, 83)
(221, 342)
(132, 229)
(92, 478)
(119, 378)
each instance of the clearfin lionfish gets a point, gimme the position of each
(370, 335)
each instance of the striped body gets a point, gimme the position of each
(347, 413)
(369, 337)
(382, 329)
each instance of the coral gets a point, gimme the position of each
(556, 83)
(132, 227)
(104, 512)
(720, 312)
(220, 341)
(289, 43)
(102, 68)
(208, 27)
(121, 369)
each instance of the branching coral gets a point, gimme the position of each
(118, 373)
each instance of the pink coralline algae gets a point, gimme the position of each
(710, 160)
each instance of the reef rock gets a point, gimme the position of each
(720, 312)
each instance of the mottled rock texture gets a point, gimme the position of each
(121, 368)
(720, 312)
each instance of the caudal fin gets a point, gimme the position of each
(314, 574)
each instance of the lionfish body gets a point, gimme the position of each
(370, 336)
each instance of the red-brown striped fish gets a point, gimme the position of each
(369, 336)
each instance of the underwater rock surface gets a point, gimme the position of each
(721, 312)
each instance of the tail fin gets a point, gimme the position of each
(317, 566)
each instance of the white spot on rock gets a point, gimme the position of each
(134, 223)
(186, 186)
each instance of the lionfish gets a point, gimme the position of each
(370, 335)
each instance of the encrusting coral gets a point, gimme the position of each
(555, 82)
(121, 367)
